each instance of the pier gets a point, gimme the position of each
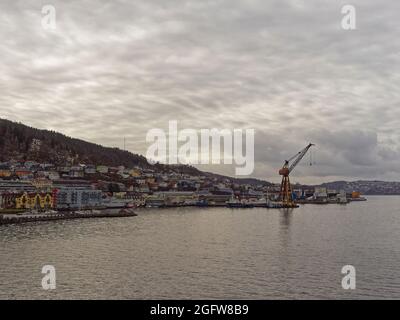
(16, 219)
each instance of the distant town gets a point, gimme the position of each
(30, 185)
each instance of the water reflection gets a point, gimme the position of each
(286, 217)
(203, 253)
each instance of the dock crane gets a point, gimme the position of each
(285, 195)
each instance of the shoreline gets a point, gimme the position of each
(18, 217)
(4, 220)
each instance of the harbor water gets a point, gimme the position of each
(210, 253)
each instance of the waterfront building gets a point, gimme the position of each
(321, 194)
(254, 194)
(26, 200)
(16, 186)
(76, 194)
(355, 194)
(42, 184)
(342, 197)
(38, 201)
(77, 197)
(24, 174)
(7, 200)
(215, 199)
(174, 197)
(223, 191)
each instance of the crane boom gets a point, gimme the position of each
(300, 156)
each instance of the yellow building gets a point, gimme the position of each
(135, 173)
(355, 194)
(35, 201)
(5, 173)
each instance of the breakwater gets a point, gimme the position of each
(14, 219)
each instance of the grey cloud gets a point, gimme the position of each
(284, 68)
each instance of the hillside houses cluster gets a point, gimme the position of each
(74, 187)
(127, 179)
(29, 170)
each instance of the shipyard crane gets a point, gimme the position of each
(285, 195)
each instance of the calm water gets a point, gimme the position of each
(206, 253)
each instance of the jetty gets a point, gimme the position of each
(24, 218)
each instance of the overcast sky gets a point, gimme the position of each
(285, 68)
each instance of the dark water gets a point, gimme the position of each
(202, 253)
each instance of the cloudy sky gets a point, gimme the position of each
(285, 68)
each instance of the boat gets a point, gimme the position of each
(260, 203)
(114, 203)
(278, 205)
(236, 203)
(51, 212)
(82, 212)
(131, 205)
(358, 199)
(155, 203)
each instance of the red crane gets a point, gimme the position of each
(285, 195)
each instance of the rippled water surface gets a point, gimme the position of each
(206, 253)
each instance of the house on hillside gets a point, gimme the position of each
(102, 169)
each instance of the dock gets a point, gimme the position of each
(17, 219)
